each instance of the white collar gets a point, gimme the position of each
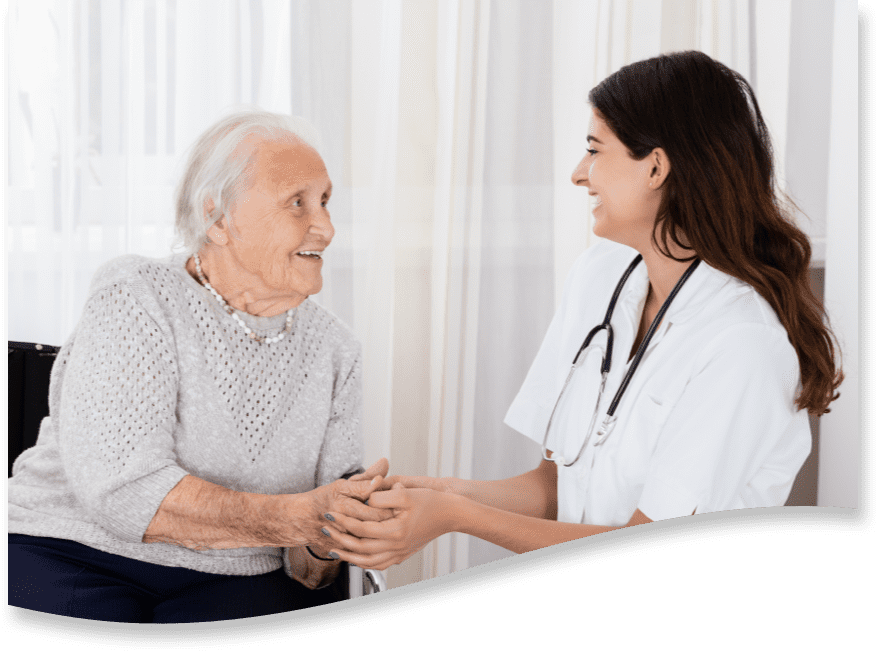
(704, 286)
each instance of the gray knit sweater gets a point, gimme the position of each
(158, 382)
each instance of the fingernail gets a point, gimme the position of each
(325, 531)
(328, 517)
(333, 554)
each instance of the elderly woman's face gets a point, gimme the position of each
(283, 221)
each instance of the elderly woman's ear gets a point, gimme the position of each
(217, 235)
(217, 232)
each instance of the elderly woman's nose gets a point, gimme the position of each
(580, 174)
(321, 223)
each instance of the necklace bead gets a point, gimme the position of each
(288, 325)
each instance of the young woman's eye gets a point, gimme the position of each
(592, 151)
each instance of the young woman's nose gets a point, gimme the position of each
(580, 174)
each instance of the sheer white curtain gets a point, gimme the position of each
(450, 129)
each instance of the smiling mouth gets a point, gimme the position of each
(313, 255)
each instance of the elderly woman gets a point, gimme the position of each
(203, 411)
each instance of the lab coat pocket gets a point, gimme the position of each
(620, 465)
(656, 409)
(646, 421)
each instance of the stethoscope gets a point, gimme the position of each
(610, 419)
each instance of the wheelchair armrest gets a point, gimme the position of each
(363, 582)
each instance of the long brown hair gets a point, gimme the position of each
(720, 199)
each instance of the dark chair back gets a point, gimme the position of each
(30, 366)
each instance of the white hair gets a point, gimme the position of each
(216, 171)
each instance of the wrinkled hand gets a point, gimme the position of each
(347, 496)
(419, 516)
(379, 469)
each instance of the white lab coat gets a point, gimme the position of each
(708, 422)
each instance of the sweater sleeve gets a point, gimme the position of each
(341, 454)
(117, 412)
(342, 450)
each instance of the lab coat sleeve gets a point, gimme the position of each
(735, 437)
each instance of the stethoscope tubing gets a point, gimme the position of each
(610, 418)
(605, 366)
(653, 327)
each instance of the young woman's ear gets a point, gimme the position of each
(660, 167)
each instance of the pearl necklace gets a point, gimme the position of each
(291, 313)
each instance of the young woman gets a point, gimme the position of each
(704, 347)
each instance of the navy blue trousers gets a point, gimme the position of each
(70, 579)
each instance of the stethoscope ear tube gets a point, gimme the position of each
(608, 358)
(605, 364)
(557, 457)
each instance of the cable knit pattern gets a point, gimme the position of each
(158, 382)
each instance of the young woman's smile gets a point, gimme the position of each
(625, 204)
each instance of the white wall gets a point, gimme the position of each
(840, 439)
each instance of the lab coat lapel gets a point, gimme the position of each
(626, 322)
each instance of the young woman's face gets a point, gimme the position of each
(625, 205)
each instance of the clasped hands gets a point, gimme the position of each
(374, 521)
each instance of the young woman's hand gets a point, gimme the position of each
(381, 467)
(348, 496)
(445, 485)
(419, 516)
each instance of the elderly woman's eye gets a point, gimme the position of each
(297, 202)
